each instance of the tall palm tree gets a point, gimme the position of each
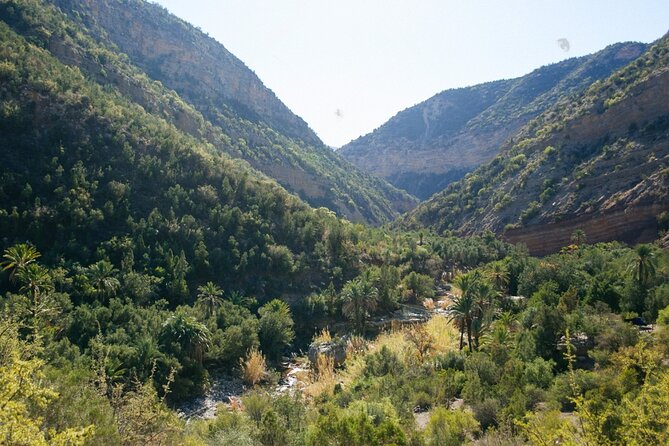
(484, 305)
(37, 283)
(460, 312)
(18, 257)
(360, 299)
(209, 297)
(102, 280)
(499, 276)
(644, 264)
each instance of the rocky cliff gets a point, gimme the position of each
(174, 70)
(598, 162)
(426, 147)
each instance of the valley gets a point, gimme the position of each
(184, 262)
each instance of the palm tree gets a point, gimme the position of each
(644, 265)
(184, 335)
(18, 257)
(460, 312)
(499, 276)
(102, 280)
(209, 297)
(38, 284)
(360, 298)
(578, 237)
(484, 305)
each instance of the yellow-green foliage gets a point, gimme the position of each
(24, 398)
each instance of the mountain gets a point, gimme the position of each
(425, 147)
(174, 70)
(89, 176)
(598, 163)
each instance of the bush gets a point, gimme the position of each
(254, 367)
(382, 363)
(486, 411)
(450, 427)
(452, 359)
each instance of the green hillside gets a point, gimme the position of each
(156, 289)
(307, 169)
(598, 161)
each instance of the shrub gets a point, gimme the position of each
(382, 363)
(254, 367)
(450, 428)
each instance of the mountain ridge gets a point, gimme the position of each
(598, 160)
(425, 147)
(305, 168)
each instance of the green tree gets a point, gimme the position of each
(461, 311)
(24, 397)
(18, 257)
(359, 298)
(102, 280)
(275, 328)
(498, 276)
(209, 298)
(417, 287)
(185, 336)
(37, 283)
(644, 265)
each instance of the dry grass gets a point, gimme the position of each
(444, 334)
(322, 337)
(440, 333)
(254, 367)
(323, 378)
(429, 304)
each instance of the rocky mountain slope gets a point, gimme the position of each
(425, 147)
(174, 70)
(598, 162)
(88, 175)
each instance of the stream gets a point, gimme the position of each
(227, 389)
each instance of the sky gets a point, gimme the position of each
(347, 66)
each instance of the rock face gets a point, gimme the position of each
(335, 350)
(200, 69)
(428, 146)
(214, 96)
(598, 162)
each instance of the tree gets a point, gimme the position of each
(359, 301)
(578, 237)
(101, 278)
(644, 265)
(498, 276)
(275, 328)
(18, 257)
(37, 283)
(461, 310)
(483, 308)
(209, 297)
(417, 287)
(185, 336)
(24, 397)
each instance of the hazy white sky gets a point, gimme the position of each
(347, 66)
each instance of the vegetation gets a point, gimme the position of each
(238, 116)
(552, 171)
(141, 266)
(458, 130)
